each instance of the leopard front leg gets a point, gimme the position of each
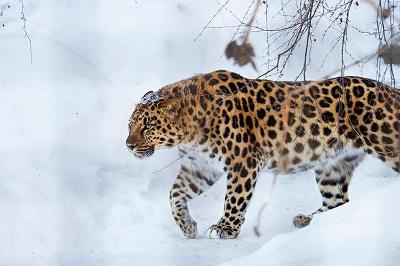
(241, 180)
(189, 184)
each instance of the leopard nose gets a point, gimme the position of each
(131, 146)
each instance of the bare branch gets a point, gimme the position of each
(24, 28)
(211, 20)
(342, 68)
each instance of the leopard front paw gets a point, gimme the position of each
(219, 231)
(189, 228)
(301, 220)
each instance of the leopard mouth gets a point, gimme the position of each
(143, 152)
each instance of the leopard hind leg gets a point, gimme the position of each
(333, 180)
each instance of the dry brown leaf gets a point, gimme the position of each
(384, 13)
(390, 54)
(241, 54)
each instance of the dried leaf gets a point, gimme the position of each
(385, 13)
(241, 54)
(390, 54)
(150, 96)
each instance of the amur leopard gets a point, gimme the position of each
(228, 125)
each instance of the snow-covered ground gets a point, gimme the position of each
(365, 232)
(70, 192)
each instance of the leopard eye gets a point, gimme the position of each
(148, 126)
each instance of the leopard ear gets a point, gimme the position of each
(172, 106)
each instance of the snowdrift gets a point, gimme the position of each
(362, 232)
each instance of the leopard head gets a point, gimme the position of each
(155, 123)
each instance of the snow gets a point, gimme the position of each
(71, 193)
(150, 96)
(363, 232)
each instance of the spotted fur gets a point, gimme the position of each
(228, 125)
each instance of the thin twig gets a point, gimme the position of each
(342, 68)
(24, 28)
(211, 20)
(246, 36)
(264, 204)
(3, 8)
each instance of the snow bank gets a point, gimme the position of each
(363, 232)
